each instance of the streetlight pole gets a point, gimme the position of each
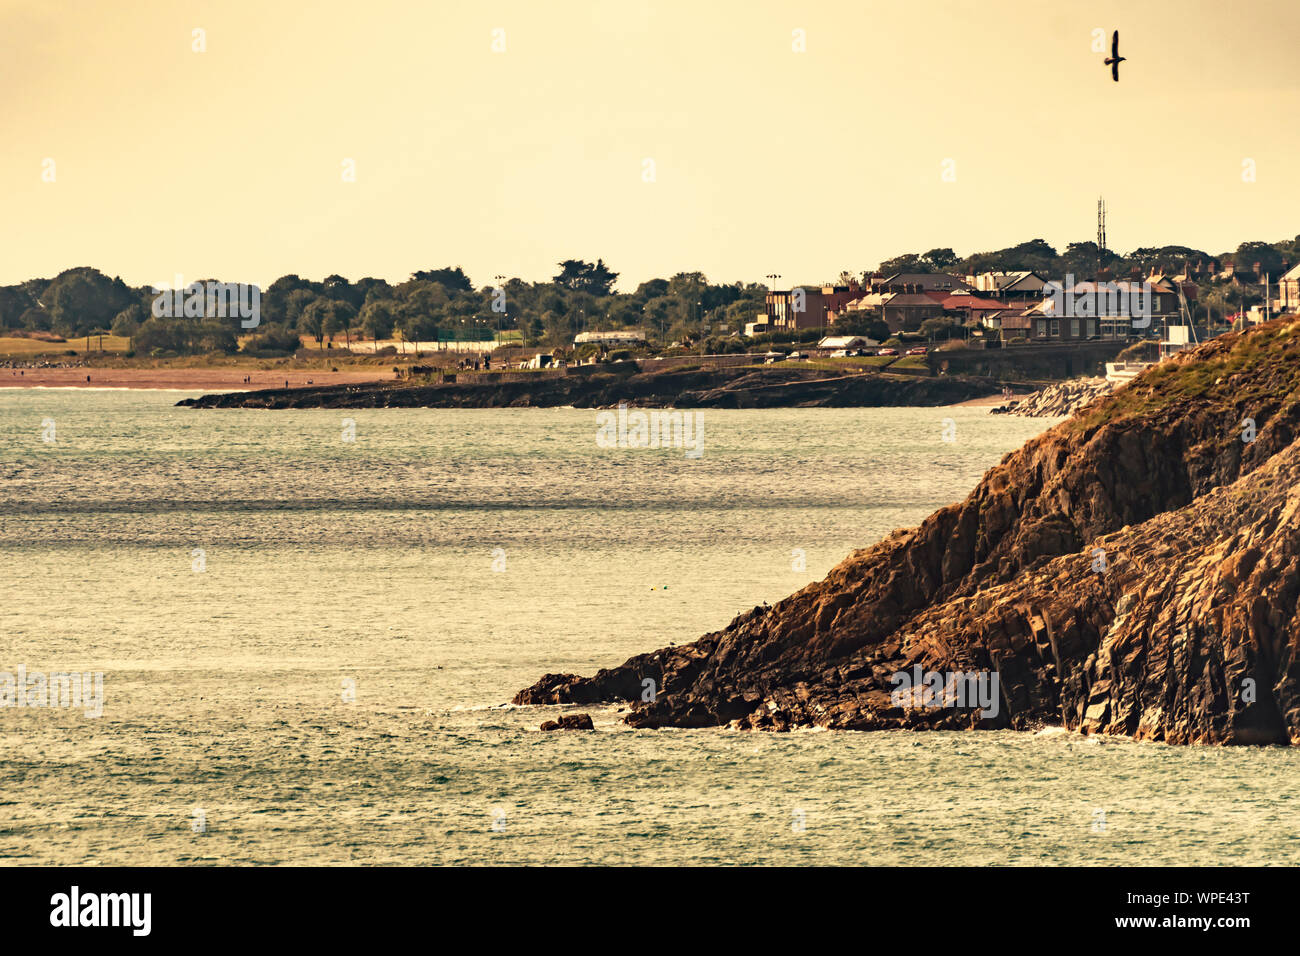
(771, 288)
(502, 288)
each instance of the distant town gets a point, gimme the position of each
(907, 307)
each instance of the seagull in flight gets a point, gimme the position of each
(1114, 60)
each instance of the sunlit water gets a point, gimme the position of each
(326, 561)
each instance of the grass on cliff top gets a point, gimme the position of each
(1268, 357)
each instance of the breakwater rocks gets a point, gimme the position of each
(1057, 401)
(596, 387)
(1132, 571)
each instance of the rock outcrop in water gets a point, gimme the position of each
(792, 385)
(1057, 401)
(570, 722)
(1132, 571)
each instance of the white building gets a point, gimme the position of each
(847, 342)
(1288, 291)
(622, 337)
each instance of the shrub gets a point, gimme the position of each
(273, 339)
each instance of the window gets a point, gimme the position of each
(1092, 327)
(1074, 328)
(1056, 328)
(1042, 328)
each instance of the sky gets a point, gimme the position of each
(738, 139)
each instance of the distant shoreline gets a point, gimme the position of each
(183, 379)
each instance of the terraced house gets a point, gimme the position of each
(1105, 321)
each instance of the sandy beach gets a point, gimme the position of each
(184, 379)
(987, 400)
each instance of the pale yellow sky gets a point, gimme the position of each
(228, 163)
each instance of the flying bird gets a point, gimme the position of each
(1114, 60)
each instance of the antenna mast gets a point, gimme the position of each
(1101, 233)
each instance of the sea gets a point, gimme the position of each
(309, 626)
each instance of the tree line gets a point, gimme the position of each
(445, 304)
(1083, 260)
(435, 304)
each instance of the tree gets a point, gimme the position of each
(940, 260)
(275, 300)
(906, 263)
(313, 319)
(580, 276)
(939, 326)
(127, 322)
(296, 304)
(35, 319)
(863, 322)
(14, 301)
(332, 324)
(377, 319)
(416, 326)
(452, 279)
(651, 289)
(82, 299)
(1249, 253)
(272, 338)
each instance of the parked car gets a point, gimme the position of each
(861, 352)
(773, 357)
(916, 350)
(888, 352)
(796, 355)
(842, 353)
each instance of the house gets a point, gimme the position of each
(1090, 310)
(1288, 291)
(905, 311)
(965, 307)
(913, 282)
(871, 302)
(902, 311)
(1012, 324)
(1011, 286)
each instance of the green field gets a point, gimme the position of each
(20, 347)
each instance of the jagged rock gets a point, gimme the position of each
(1059, 400)
(570, 722)
(1134, 570)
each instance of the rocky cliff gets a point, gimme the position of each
(1134, 570)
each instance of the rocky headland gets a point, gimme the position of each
(781, 386)
(1133, 571)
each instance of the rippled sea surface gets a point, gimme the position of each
(235, 574)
